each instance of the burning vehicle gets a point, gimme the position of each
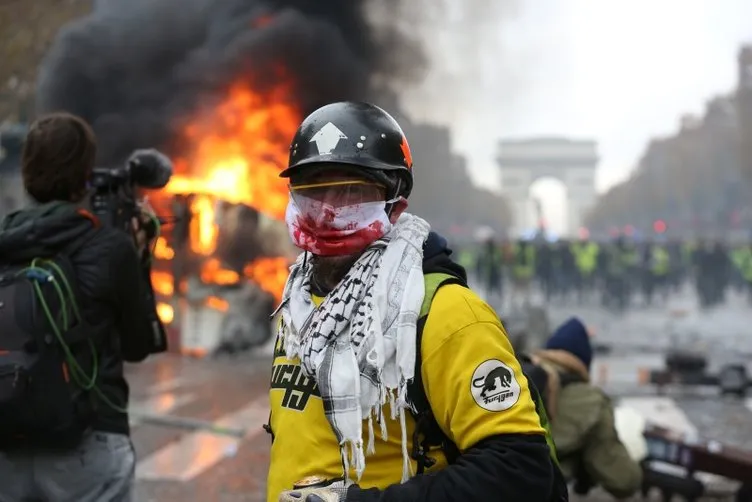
(218, 275)
(221, 267)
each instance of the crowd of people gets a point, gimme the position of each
(617, 274)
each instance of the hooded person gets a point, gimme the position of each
(64, 428)
(391, 379)
(582, 416)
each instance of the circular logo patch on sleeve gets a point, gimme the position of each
(494, 386)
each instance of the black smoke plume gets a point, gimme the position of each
(136, 68)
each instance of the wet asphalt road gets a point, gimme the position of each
(177, 463)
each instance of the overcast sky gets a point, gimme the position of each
(619, 71)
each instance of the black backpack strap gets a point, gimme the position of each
(427, 432)
(535, 374)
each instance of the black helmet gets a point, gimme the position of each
(359, 135)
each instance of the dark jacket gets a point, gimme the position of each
(511, 467)
(112, 285)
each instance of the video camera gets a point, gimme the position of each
(114, 202)
(114, 199)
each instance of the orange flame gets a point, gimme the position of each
(270, 273)
(162, 251)
(165, 312)
(240, 151)
(217, 303)
(203, 228)
(162, 283)
(235, 152)
(213, 273)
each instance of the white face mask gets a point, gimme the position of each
(327, 230)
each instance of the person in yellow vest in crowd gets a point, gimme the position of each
(522, 271)
(391, 379)
(466, 257)
(738, 257)
(586, 261)
(489, 269)
(656, 266)
(621, 262)
(745, 265)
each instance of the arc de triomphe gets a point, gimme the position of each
(524, 161)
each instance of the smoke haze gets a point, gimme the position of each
(133, 69)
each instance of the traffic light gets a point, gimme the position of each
(659, 226)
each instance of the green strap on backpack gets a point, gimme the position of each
(433, 281)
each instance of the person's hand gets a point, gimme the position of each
(141, 238)
(319, 490)
(139, 235)
(314, 495)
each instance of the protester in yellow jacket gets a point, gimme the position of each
(391, 379)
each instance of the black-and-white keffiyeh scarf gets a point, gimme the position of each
(359, 344)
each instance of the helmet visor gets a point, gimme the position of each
(340, 193)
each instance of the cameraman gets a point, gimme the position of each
(111, 274)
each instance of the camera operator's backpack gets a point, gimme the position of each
(44, 388)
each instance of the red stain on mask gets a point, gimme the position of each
(329, 234)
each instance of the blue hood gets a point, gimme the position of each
(572, 337)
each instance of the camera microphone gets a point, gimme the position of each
(150, 168)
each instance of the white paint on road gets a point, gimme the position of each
(169, 385)
(196, 452)
(158, 405)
